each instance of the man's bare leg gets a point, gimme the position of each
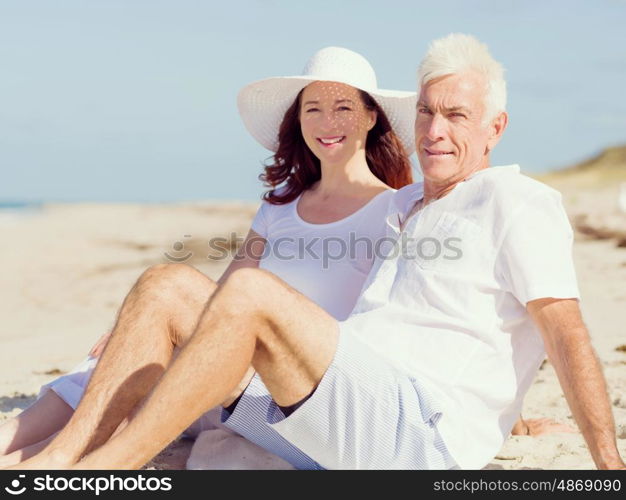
(254, 318)
(160, 312)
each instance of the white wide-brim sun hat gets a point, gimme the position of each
(262, 104)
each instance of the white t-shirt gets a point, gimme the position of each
(333, 282)
(326, 262)
(450, 311)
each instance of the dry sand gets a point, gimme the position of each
(67, 268)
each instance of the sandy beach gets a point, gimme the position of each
(66, 269)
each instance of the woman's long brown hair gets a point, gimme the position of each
(298, 168)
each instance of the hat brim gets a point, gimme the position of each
(262, 106)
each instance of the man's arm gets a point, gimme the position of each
(569, 349)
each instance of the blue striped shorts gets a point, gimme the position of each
(364, 414)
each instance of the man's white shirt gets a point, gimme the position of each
(450, 308)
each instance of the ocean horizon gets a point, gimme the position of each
(20, 204)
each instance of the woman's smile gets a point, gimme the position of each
(330, 142)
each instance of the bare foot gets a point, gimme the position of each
(540, 426)
(46, 460)
(9, 460)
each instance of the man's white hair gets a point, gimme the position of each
(457, 53)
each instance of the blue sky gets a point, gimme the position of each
(135, 100)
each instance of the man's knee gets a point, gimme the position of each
(247, 282)
(246, 291)
(244, 276)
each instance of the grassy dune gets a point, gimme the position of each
(603, 170)
(590, 194)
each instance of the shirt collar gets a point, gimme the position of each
(405, 198)
(495, 170)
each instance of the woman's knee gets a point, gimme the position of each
(173, 282)
(170, 273)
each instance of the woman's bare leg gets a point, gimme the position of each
(160, 313)
(25, 453)
(34, 426)
(254, 318)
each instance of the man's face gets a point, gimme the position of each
(450, 139)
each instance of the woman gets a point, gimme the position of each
(341, 148)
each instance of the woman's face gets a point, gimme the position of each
(334, 121)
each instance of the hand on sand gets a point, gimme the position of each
(540, 426)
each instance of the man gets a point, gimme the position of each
(430, 369)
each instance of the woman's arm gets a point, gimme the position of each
(248, 254)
